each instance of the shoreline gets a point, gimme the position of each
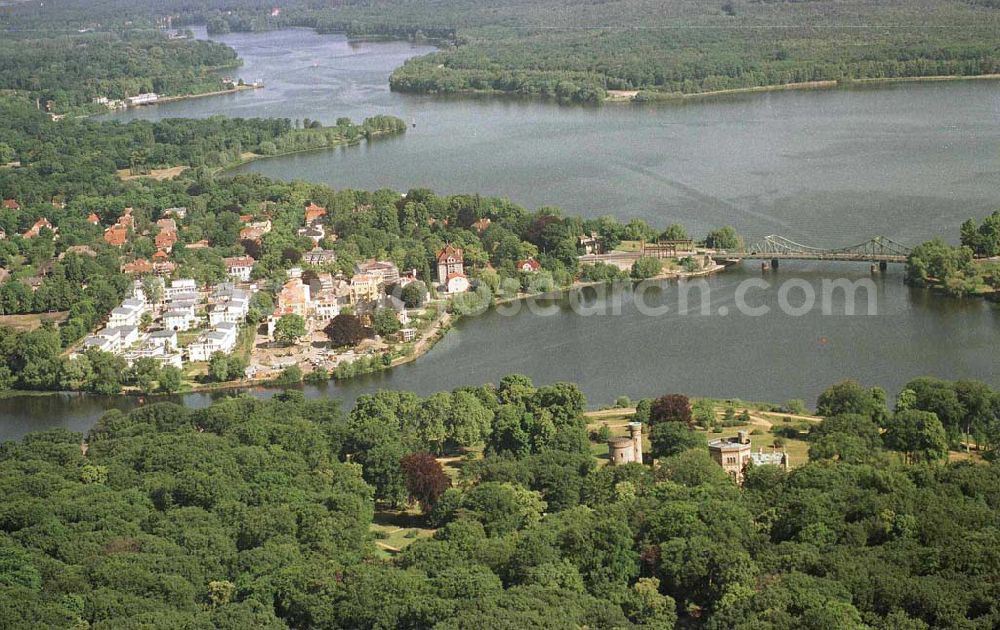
(249, 157)
(641, 95)
(652, 96)
(435, 334)
(186, 97)
(440, 328)
(617, 97)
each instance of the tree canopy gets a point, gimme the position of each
(257, 513)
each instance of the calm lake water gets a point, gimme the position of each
(823, 168)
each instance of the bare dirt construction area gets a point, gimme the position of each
(269, 357)
(158, 174)
(26, 323)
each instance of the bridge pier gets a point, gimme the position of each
(774, 263)
(883, 265)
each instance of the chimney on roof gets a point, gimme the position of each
(743, 437)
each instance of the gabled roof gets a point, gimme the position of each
(165, 239)
(449, 251)
(35, 229)
(314, 212)
(238, 261)
(116, 235)
(140, 265)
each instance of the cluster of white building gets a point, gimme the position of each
(228, 306)
(181, 305)
(179, 311)
(146, 98)
(122, 336)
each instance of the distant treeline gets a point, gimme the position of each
(576, 50)
(72, 70)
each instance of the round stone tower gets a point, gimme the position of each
(621, 450)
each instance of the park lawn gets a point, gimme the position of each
(975, 457)
(194, 369)
(159, 174)
(797, 449)
(394, 530)
(453, 463)
(32, 321)
(600, 452)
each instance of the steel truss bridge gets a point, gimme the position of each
(879, 249)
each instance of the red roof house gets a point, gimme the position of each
(314, 212)
(529, 265)
(35, 229)
(116, 235)
(165, 240)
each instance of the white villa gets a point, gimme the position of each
(150, 350)
(228, 304)
(112, 339)
(128, 314)
(221, 339)
(179, 287)
(179, 319)
(166, 339)
(239, 267)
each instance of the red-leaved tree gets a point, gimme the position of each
(670, 408)
(426, 480)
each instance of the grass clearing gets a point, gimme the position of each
(159, 174)
(394, 530)
(32, 321)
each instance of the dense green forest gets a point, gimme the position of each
(255, 513)
(72, 70)
(577, 50)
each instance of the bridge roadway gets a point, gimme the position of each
(773, 248)
(846, 256)
(878, 249)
